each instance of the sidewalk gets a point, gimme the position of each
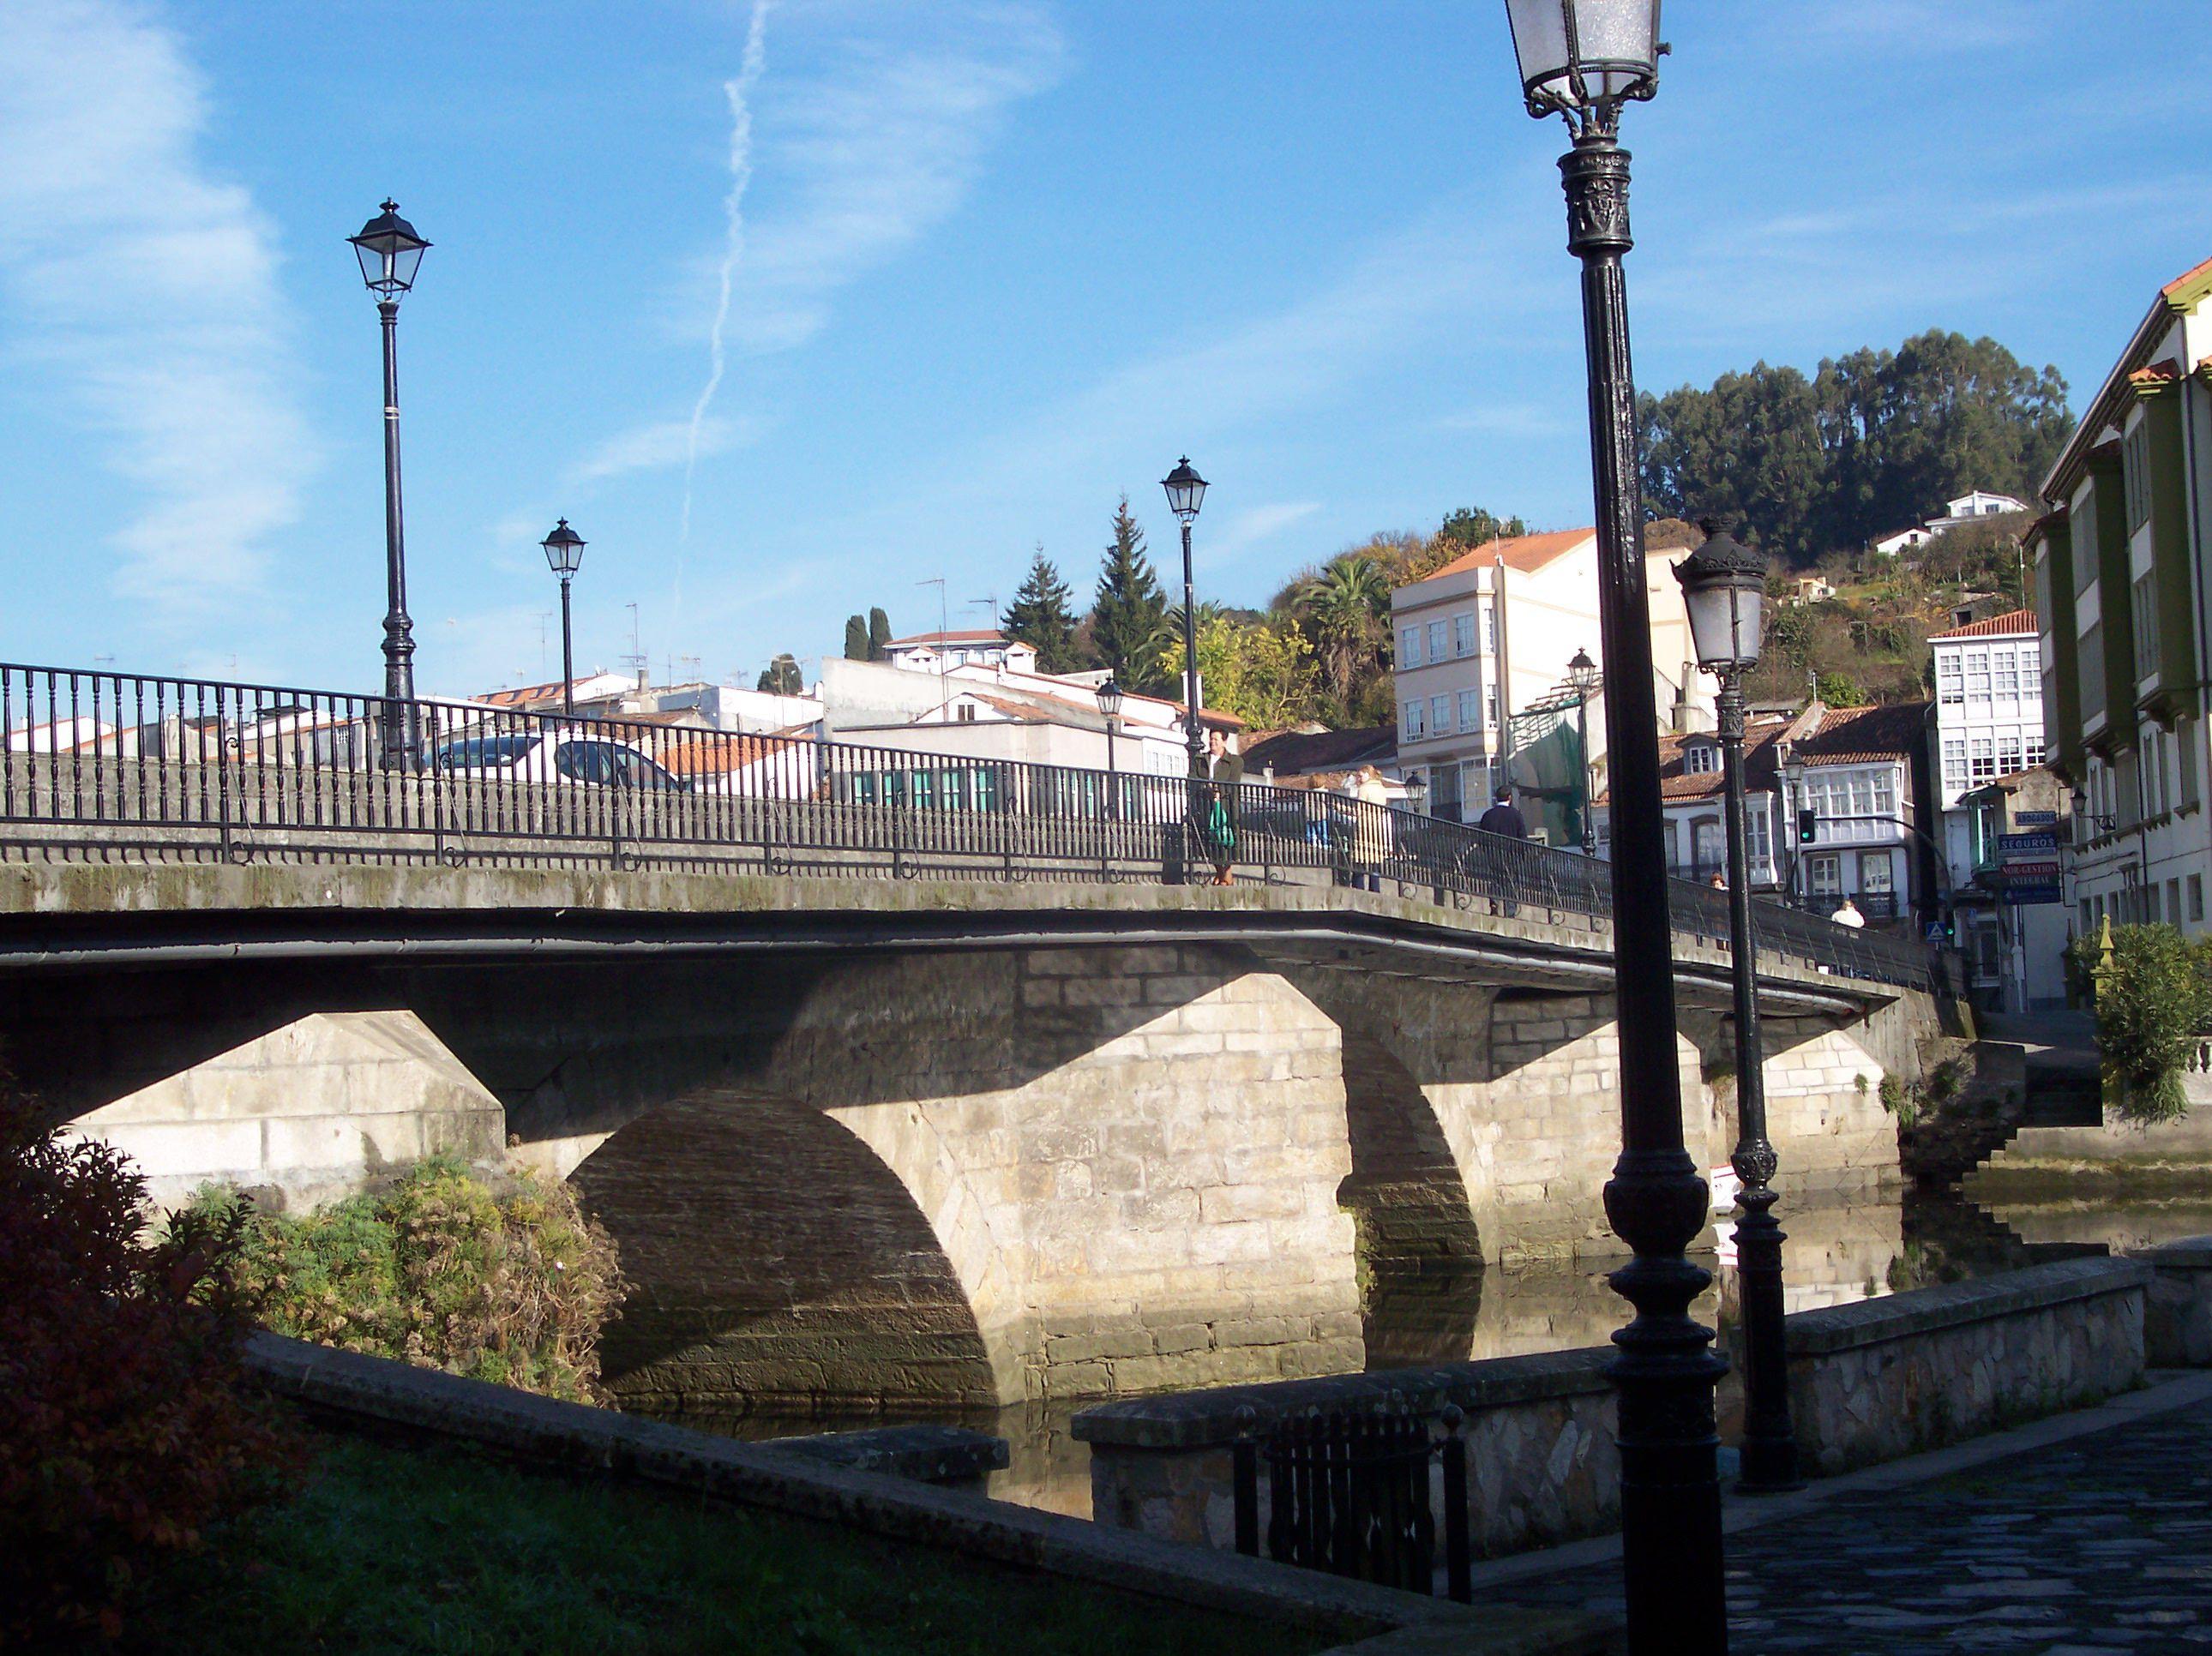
(2086, 1532)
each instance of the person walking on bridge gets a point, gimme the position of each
(1504, 817)
(1216, 807)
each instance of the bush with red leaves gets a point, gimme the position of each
(126, 1423)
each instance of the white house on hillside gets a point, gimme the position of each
(1980, 503)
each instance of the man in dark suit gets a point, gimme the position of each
(1503, 817)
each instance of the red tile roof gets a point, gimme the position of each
(1861, 735)
(1677, 784)
(2021, 623)
(1526, 553)
(974, 635)
(2188, 278)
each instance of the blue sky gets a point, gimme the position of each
(992, 264)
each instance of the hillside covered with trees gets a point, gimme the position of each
(1870, 443)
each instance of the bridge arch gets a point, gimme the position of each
(778, 1262)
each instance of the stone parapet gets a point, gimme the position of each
(1541, 1464)
(2178, 1312)
(1869, 1382)
(1894, 1376)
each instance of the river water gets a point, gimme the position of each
(1839, 1251)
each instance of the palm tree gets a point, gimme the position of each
(1345, 609)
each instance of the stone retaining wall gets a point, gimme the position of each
(1891, 1377)
(1541, 1464)
(2177, 1314)
(1871, 1381)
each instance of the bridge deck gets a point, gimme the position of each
(107, 774)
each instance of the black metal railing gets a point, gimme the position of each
(1351, 1494)
(122, 767)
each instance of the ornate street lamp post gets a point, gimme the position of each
(1110, 704)
(1583, 674)
(389, 251)
(564, 555)
(1417, 793)
(1793, 801)
(1583, 59)
(1186, 489)
(1724, 589)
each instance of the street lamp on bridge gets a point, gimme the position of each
(1724, 590)
(389, 251)
(1109, 707)
(1582, 60)
(1186, 489)
(564, 555)
(1583, 674)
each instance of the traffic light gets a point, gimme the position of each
(1808, 826)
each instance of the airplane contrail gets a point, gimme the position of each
(740, 92)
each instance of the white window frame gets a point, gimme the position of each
(1470, 710)
(1438, 644)
(1409, 644)
(1463, 633)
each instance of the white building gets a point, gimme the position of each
(2123, 588)
(1861, 783)
(1989, 721)
(1692, 796)
(978, 647)
(1980, 503)
(1989, 726)
(1003, 713)
(1490, 633)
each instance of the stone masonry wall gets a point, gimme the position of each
(1869, 1382)
(1156, 1192)
(309, 1113)
(1823, 1112)
(1895, 1376)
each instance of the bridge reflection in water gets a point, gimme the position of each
(1839, 1251)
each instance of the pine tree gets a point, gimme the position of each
(856, 638)
(781, 676)
(1039, 616)
(1128, 617)
(879, 635)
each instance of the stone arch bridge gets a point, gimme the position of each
(952, 1142)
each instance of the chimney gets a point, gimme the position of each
(1963, 616)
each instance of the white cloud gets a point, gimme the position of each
(145, 290)
(1256, 525)
(660, 444)
(870, 150)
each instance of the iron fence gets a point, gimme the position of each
(123, 766)
(1350, 1493)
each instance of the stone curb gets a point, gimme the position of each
(1952, 1305)
(580, 1438)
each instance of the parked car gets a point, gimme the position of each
(556, 757)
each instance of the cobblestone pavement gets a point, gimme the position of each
(2100, 1545)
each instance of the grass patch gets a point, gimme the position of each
(391, 1547)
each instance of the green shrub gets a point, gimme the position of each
(2150, 1006)
(510, 1285)
(126, 1425)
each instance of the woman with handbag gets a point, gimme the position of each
(1217, 810)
